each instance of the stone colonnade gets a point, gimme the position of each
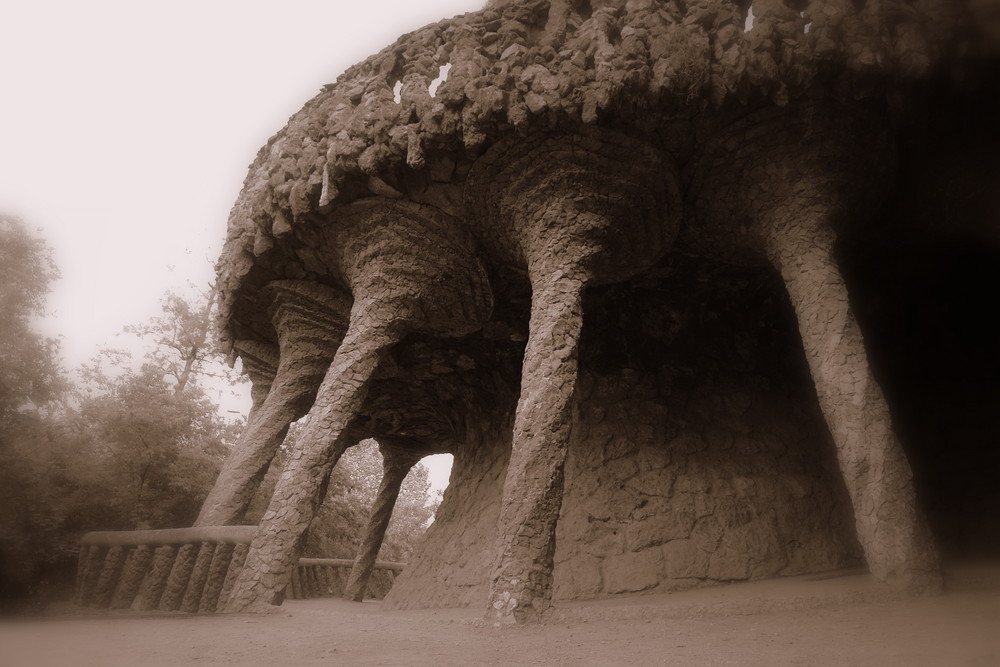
(573, 210)
(410, 270)
(572, 145)
(576, 210)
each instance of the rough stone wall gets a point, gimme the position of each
(451, 566)
(673, 493)
(748, 489)
(712, 464)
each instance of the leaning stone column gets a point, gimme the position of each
(893, 533)
(396, 463)
(409, 269)
(577, 209)
(781, 182)
(522, 571)
(310, 320)
(297, 494)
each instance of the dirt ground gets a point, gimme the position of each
(837, 619)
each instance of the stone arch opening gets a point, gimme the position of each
(439, 471)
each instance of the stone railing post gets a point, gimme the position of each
(217, 570)
(155, 581)
(135, 569)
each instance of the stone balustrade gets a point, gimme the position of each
(327, 577)
(193, 570)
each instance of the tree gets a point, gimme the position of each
(156, 432)
(130, 447)
(29, 379)
(29, 370)
(160, 446)
(181, 341)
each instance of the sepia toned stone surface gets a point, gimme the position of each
(395, 466)
(409, 270)
(310, 320)
(155, 581)
(600, 263)
(700, 461)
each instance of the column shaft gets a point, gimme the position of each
(521, 581)
(395, 466)
(892, 530)
(273, 551)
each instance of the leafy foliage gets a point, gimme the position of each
(183, 346)
(126, 448)
(163, 447)
(29, 372)
(353, 486)
(135, 444)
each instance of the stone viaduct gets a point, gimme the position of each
(600, 252)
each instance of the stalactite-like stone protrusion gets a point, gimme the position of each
(310, 320)
(395, 466)
(409, 269)
(576, 209)
(894, 535)
(136, 566)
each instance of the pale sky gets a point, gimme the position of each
(126, 129)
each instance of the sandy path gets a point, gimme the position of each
(842, 620)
